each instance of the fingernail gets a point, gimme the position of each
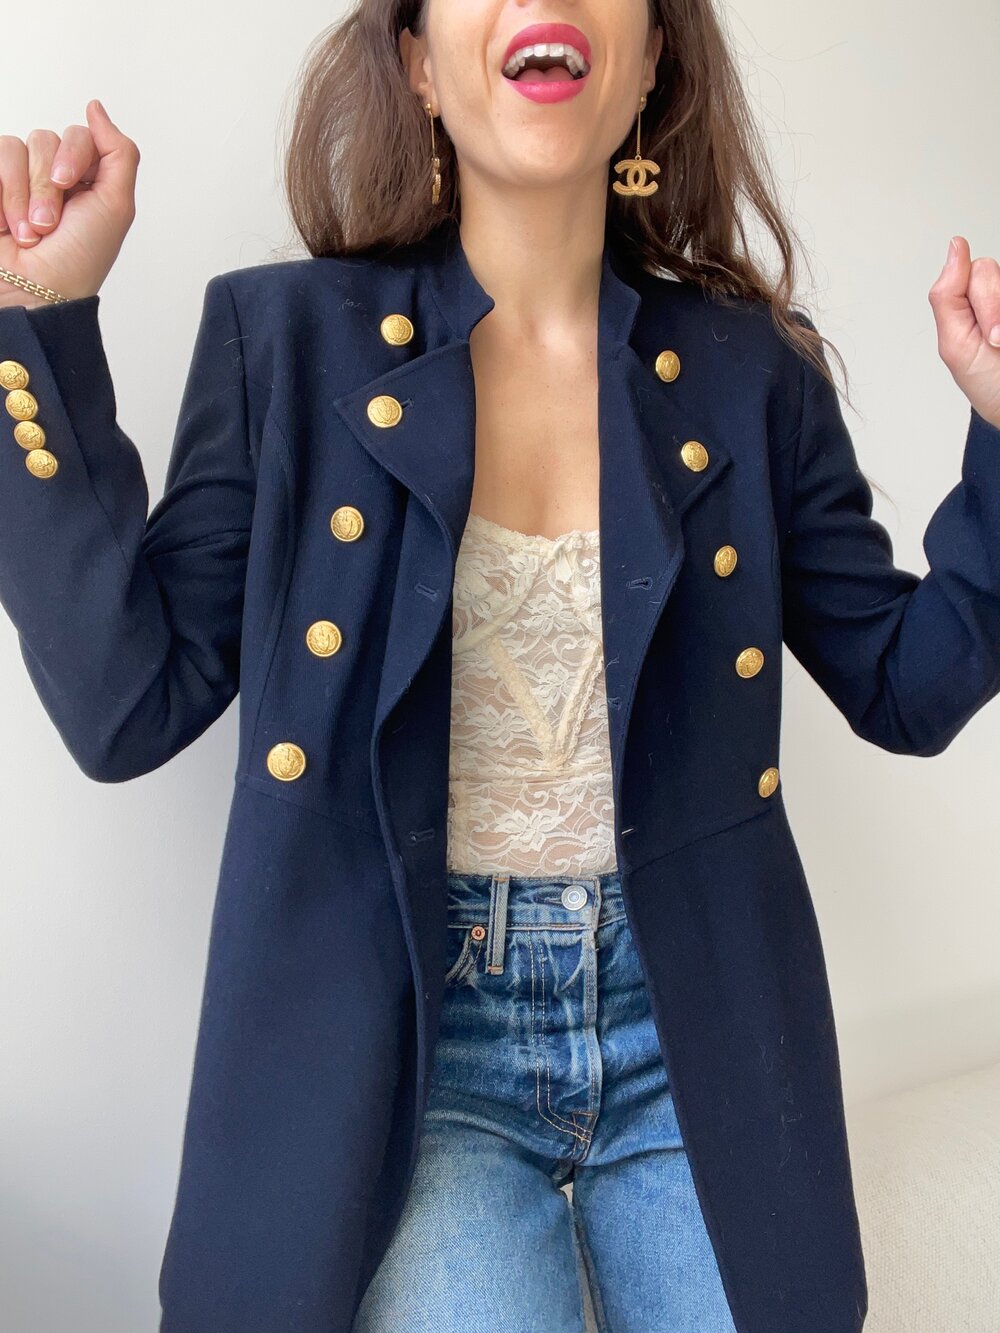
(61, 173)
(995, 335)
(42, 214)
(952, 251)
(24, 232)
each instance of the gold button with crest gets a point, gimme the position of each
(384, 410)
(694, 455)
(668, 366)
(29, 435)
(12, 376)
(768, 782)
(749, 662)
(346, 523)
(396, 329)
(324, 638)
(725, 561)
(286, 761)
(22, 405)
(40, 463)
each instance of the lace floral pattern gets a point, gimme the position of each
(530, 765)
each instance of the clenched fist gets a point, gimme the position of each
(966, 304)
(66, 205)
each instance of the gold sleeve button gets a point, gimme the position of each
(29, 435)
(384, 410)
(725, 561)
(323, 638)
(396, 329)
(768, 781)
(286, 761)
(22, 405)
(346, 523)
(749, 662)
(12, 376)
(694, 455)
(40, 463)
(668, 366)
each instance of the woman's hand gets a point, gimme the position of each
(91, 209)
(966, 304)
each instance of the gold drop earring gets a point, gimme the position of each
(435, 161)
(637, 167)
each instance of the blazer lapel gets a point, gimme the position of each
(645, 485)
(430, 450)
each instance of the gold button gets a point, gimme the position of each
(725, 561)
(695, 455)
(478, 932)
(22, 405)
(749, 662)
(396, 329)
(12, 376)
(286, 761)
(384, 410)
(324, 638)
(29, 435)
(346, 523)
(40, 463)
(668, 366)
(768, 781)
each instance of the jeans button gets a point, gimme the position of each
(574, 896)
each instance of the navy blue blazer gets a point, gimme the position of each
(302, 556)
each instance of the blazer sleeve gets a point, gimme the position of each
(907, 660)
(129, 625)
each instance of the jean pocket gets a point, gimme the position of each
(465, 944)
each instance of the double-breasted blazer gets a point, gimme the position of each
(302, 557)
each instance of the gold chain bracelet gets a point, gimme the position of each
(33, 287)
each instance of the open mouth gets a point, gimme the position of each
(546, 62)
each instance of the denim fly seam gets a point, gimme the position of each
(540, 934)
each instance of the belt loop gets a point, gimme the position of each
(497, 934)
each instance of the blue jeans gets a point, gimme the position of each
(547, 1071)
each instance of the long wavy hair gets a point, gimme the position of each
(357, 163)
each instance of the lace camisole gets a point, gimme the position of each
(530, 789)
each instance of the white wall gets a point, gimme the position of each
(881, 118)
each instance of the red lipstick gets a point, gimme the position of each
(547, 90)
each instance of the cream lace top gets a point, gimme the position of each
(530, 765)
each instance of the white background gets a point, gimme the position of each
(881, 119)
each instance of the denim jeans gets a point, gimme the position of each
(547, 1073)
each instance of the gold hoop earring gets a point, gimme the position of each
(435, 161)
(637, 167)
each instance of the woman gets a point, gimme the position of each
(495, 511)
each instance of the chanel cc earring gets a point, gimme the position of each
(636, 167)
(435, 161)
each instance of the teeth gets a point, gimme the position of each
(575, 62)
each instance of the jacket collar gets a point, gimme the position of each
(463, 301)
(431, 447)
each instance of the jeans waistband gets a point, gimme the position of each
(501, 902)
(537, 900)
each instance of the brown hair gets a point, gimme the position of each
(358, 175)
